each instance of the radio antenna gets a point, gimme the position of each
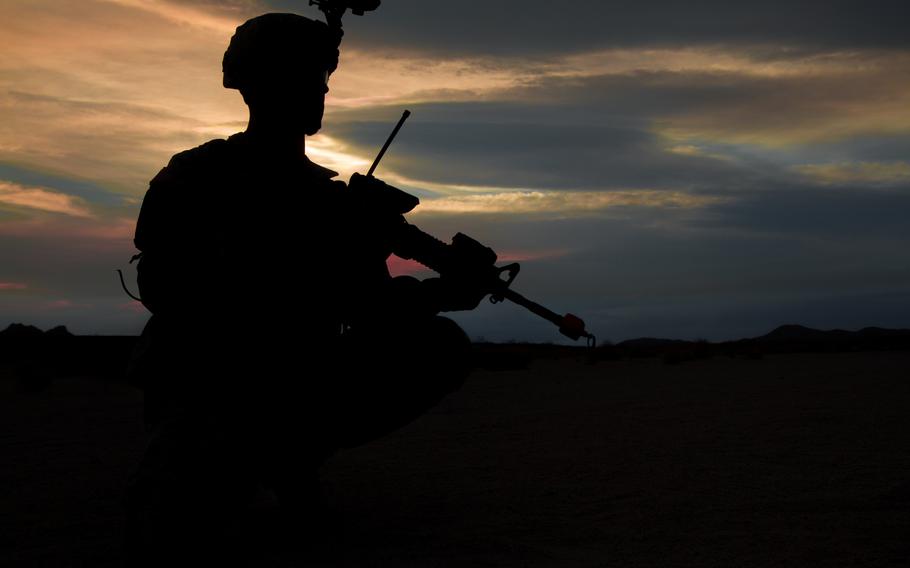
(388, 142)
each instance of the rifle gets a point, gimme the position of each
(465, 259)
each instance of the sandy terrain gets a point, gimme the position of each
(794, 460)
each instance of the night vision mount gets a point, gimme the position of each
(335, 9)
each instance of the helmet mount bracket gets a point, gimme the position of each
(335, 9)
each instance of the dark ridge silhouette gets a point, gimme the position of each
(59, 331)
(790, 332)
(797, 338)
(788, 338)
(798, 334)
(20, 331)
(25, 349)
(35, 357)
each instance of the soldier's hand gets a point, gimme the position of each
(453, 294)
(374, 214)
(376, 194)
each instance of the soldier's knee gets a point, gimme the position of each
(447, 332)
(449, 348)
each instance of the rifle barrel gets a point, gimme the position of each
(532, 306)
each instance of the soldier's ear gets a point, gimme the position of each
(255, 97)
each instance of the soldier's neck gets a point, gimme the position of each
(276, 141)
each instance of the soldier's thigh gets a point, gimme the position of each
(393, 379)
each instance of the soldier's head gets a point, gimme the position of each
(281, 63)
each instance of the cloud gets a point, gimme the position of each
(72, 230)
(852, 217)
(42, 199)
(13, 286)
(336, 155)
(849, 95)
(371, 77)
(541, 28)
(74, 260)
(116, 144)
(99, 197)
(403, 267)
(185, 13)
(867, 173)
(133, 307)
(108, 92)
(64, 304)
(682, 123)
(517, 145)
(559, 202)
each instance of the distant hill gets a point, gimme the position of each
(16, 331)
(789, 338)
(799, 338)
(27, 351)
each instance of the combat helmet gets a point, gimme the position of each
(276, 44)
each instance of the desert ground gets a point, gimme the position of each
(784, 460)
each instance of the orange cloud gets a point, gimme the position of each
(108, 91)
(721, 61)
(336, 155)
(42, 199)
(182, 14)
(875, 173)
(117, 231)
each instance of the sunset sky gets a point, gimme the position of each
(678, 169)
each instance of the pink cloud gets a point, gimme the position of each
(64, 304)
(42, 199)
(401, 267)
(133, 307)
(113, 230)
(13, 286)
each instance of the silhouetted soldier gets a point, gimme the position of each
(278, 334)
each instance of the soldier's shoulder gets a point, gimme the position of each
(204, 161)
(213, 153)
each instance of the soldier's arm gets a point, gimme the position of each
(168, 235)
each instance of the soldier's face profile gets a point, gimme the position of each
(309, 105)
(294, 104)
